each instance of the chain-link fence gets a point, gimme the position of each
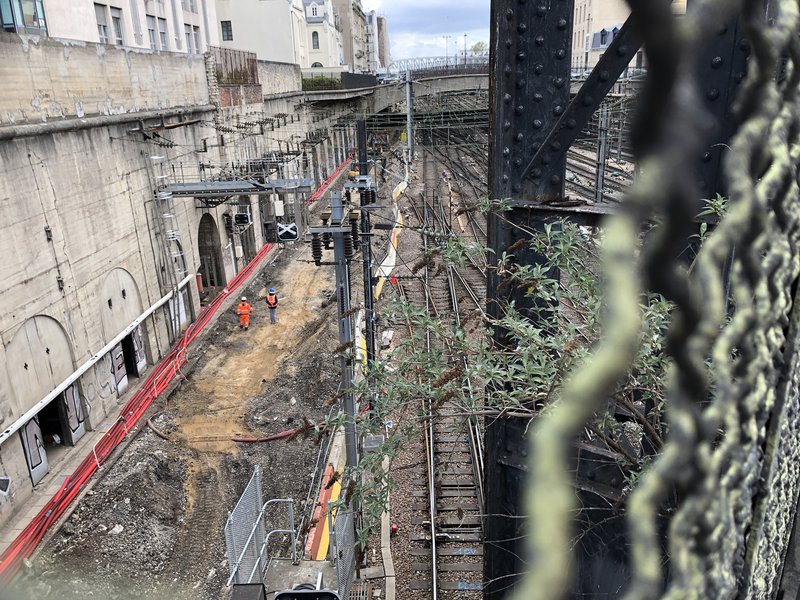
(245, 535)
(343, 552)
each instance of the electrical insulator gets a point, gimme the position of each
(316, 248)
(348, 245)
(354, 231)
(326, 239)
(347, 197)
(373, 196)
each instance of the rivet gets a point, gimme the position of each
(537, 97)
(520, 56)
(509, 43)
(517, 162)
(562, 23)
(509, 14)
(517, 187)
(713, 94)
(555, 146)
(538, 69)
(555, 179)
(604, 75)
(520, 83)
(716, 62)
(707, 157)
(537, 124)
(507, 70)
(507, 98)
(541, 10)
(561, 54)
(559, 82)
(557, 110)
(587, 100)
(506, 151)
(539, 40)
(519, 109)
(505, 177)
(519, 137)
(622, 50)
(536, 173)
(507, 125)
(572, 123)
(522, 28)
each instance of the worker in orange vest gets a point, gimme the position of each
(244, 310)
(272, 304)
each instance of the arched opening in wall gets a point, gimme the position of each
(121, 305)
(211, 273)
(316, 65)
(315, 41)
(39, 358)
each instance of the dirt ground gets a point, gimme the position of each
(153, 526)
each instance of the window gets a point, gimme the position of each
(102, 24)
(313, 11)
(22, 16)
(603, 37)
(116, 21)
(198, 47)
(316, 65)
(162, 33)
(227, 31)
(315, 40)
(187, 30)
(151, 31)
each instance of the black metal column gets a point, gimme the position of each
(530, 71)
(361, 134)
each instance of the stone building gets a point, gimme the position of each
(106, 259)
(353, 22)
(324, 40)
(275, 31)
(384, 53)
(163, 25)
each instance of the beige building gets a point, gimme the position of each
(275, 31)
(187, 26)
(595, 24)
(353, 22)
(324, 40)
(383, 42)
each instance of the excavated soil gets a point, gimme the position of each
(153, 525)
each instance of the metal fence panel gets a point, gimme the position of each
(244, 534)
(345, 550)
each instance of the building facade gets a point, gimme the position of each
(383, 42)
(275, 31)
(187, 26)
(324, 40)
(353, 22)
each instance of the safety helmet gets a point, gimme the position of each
(244, 299)
(271, 290)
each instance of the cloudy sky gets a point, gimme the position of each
(417, 27)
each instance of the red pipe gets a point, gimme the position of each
(158, 380)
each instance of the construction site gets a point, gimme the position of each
(450, 336)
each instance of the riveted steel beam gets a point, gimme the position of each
(547, 163)
(530, 71)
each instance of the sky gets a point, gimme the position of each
(418, 27)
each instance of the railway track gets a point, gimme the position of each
(447, 537)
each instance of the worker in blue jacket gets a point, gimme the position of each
(272, 304)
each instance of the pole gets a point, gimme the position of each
(345, 333)
(446, 54)
(602, 153)
(465, 50)
(361, 131)
(409, 117)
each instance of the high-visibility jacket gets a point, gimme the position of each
(272, 300)
(244, 308)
